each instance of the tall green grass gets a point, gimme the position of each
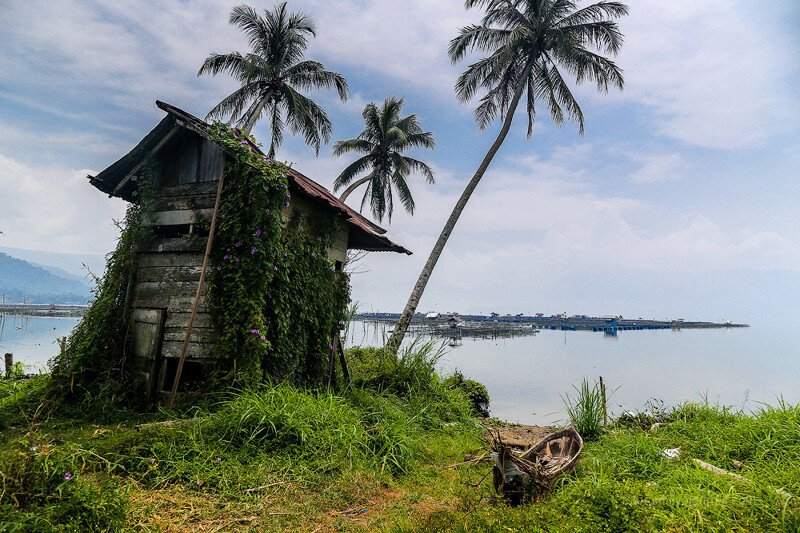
(624, 483)
(586, 410)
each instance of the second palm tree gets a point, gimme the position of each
(385, 137)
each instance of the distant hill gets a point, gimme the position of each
(77, 265)
(23, 281)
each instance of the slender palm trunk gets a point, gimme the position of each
(353, 186)
(253, 118)
(416, 294)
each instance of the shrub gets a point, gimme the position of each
(475, 391)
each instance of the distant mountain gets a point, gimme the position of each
(23, 281)
(74, 264)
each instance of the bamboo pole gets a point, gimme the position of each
(185, 348)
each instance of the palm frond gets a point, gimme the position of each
(351, 171)
(306, 118)
(352, 145)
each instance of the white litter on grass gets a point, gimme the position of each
(672, 453)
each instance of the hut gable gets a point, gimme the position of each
(189, 166)
(168, 266)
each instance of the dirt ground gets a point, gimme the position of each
(520, 436)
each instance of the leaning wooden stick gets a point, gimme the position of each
(185, 348)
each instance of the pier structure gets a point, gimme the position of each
(495, 326)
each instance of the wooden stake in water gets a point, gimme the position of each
(605, 406)
(9, 364)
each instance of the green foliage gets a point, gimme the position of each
(45, 489)
(411, 375)
(16, 371)
(93, 363)
(586, 410)
(272, 75)
(20, 399)
(475, 391)
(274, 294)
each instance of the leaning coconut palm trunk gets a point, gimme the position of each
(528, 41)
(411, 306)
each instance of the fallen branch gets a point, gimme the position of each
(166, 423)
(268, 485)
(718, 470)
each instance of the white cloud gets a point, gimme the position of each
(658, 168)
(713, 72)
(55, 210)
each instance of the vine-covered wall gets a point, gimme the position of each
(272, 293)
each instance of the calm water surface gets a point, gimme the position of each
(526, 376)
(32, 339)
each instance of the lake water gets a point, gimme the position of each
(527, 376)
(33, 339)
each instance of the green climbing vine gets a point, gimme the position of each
(274, 295)
(94, 361)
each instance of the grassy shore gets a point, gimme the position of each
(385, 454)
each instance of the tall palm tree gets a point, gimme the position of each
(385, 137)
(272, 74)
(529, 43)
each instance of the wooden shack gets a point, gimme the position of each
(168, 266)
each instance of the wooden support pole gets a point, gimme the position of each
(337, 345)
(605, 405)
(331, 359)
(9, 364)
(185, 348)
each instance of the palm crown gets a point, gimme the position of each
(272, 74)
(530, 43)
(385, 137)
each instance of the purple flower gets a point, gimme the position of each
(319, 238)
(225, 258)
(263, 337)
(253, 250)
(237, 259)
(152, 460)
(330, 346)
(68, 476)
(218, 459)
(238, 244)
(266, 211)
(255, 331)
(275, 268)
(258, 232)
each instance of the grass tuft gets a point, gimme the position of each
(586, 411)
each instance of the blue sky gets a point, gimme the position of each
(679, 201)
